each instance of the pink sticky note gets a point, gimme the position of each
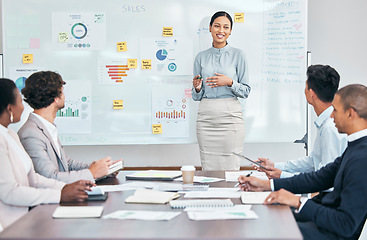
(188, 93)
(35, 43)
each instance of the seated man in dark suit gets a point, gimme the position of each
(341, 213)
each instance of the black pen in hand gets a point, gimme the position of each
(237, 184)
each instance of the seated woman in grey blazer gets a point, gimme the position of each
(20, 186)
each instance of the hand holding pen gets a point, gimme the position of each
(197, 83)
(237, 184)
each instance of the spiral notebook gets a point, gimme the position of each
(201, 203)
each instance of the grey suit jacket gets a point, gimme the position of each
(38, 143)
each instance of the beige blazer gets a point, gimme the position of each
(46, 160)
(19, 190)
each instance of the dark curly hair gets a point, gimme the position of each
(41, 88)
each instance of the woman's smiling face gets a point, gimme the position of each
(220, 30)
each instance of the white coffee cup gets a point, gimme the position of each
(188, 173)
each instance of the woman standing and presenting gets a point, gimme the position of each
(221, 76)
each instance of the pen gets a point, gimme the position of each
(237, 184)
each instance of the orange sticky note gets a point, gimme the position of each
(121, 47)
(27, 58)
(146, 64)
(132, 63)
(167, 31)
(118, 104)
(157, 128)
(239, 17)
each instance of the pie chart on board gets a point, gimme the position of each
(161, 54)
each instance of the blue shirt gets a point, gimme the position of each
(329, 145)
(228, 61)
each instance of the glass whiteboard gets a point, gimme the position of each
(101, 47)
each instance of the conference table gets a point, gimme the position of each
(274, 222)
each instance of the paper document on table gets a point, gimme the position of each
(151, 196)
(154, 175)
(213, 194)
(254, 197)
(210, 209)
(142, 215)
(179, 187)
(220, 215)
(78, 212)
(213, 203)
(200, 179)
(233, 176)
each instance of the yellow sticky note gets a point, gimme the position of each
(132, 63)
(63, 37)
(157, 128)
(121, 47)
(239, 17)
(27, 58)
(118, 104)
(167, 31)
(146, 64)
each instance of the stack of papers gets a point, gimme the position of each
(151, 196)
(142, 215)
(254, 197)
(78, 212)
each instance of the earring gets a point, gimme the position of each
(11, 117)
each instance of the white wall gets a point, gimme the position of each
(337, 36)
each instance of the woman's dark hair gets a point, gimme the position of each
(324, 81)
(221, 14)
(41, 89)
(7, 95)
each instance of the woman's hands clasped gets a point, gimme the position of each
(219, 80)
(216, 81)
